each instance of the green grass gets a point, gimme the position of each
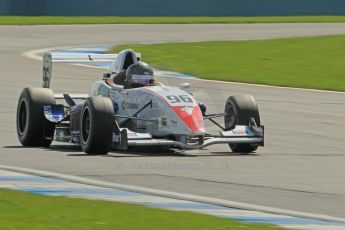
(317, 62)
(21, 210)
(59, 20)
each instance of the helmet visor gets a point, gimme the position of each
(142, 79)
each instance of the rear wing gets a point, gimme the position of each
(82, 58)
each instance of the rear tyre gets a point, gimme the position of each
(239, 109)
(33, 129)
(97, 125)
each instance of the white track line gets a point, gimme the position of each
(174, 195)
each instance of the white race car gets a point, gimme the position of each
(112, 117)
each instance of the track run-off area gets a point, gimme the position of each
(301, 168)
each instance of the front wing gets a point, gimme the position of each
(239, 135)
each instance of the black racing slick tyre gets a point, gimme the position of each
(239, 109)
(97, 125)
(33, 129)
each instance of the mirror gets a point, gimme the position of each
(185, 85)
(106, 76)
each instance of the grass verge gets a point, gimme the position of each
(61, 20)
(21, 210)
(316, 62)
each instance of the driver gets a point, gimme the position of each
(137, 75)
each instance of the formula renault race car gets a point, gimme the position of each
(115, 117)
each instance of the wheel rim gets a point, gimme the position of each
(230, 119)
(22, 117)
(86, 125)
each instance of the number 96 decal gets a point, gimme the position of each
(173, 99)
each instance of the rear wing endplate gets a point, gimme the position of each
(50, 58)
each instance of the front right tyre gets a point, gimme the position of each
(239, 109)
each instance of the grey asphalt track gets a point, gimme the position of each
(301, 167)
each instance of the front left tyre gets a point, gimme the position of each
(97, 125)
(33, 129)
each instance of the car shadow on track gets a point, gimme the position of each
(75, 151)
(65, 148)
(15, 147)
(232, 154)
(58, 148)
(146, 154)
